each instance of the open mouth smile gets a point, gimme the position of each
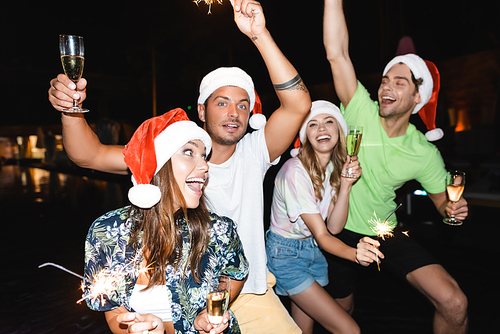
(196, 184)
(388, 100)
(323, 138)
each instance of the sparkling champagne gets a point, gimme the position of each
(73, 67)
(353, 143)
(454, 192)
(217, 303)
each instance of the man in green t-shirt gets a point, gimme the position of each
(393, 152)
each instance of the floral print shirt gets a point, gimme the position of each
(112, 267)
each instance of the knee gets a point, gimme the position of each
(454, 303)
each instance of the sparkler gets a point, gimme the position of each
(383, 229)
(60, 267)
(209, 3)
(105, 282)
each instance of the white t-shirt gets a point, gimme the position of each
(294, 195)
(235, 190)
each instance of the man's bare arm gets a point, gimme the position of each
(336, 41)
(81, 144)
(84, 148)
(295, 101)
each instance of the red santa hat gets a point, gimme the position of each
(233, 76)
(318, 107)
(152, 145)
(429, 90)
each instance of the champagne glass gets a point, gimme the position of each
(217, 298)
(72, 57)
(353, 142)
(455, 184)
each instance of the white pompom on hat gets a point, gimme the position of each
(429, 90)
(152, 145)
(318, 107)
(233, 76)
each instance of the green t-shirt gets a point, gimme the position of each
(387, 164)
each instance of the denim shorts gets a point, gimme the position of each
(296, 263)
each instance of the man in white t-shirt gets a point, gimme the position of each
(238, 161)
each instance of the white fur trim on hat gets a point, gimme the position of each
(420, 71)
(434, 134)
(226, 76)
(144, 195)
(294, 152)
(257, 121)
(323, 107)
(174, 137)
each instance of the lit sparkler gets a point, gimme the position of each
(383, 229)
(105, 282)
(209, 3)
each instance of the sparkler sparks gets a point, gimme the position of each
(209, 3)
(382, 229)
(106, 281)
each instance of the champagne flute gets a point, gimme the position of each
(455, 184)
(353, 142)
(72, 58)
(218, 299)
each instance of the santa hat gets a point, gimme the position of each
(233, 76)
(152, 145)
(429, 90)
(318, 107)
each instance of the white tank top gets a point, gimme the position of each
(156, 301)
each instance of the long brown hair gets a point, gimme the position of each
(161, 234)
(316, 172)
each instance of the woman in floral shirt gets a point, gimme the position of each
(159, 253)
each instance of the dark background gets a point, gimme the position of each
(121, 37)
(46, 215)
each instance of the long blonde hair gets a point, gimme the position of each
(316, 172)
(161, 235)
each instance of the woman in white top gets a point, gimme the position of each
(308, 189)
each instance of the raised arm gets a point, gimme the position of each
(338, 211)
(295, 101)
(81, 143)
(336, 41)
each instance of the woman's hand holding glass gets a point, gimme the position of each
(203, 325)
(351, 170)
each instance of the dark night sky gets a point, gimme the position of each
(119, 36)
